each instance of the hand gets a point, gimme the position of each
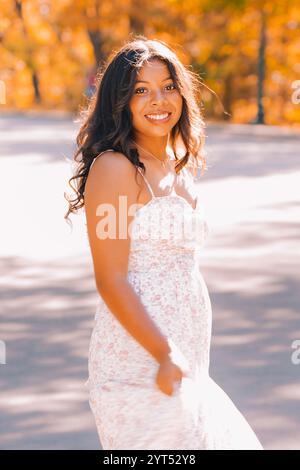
(168, 374)
(172, 368)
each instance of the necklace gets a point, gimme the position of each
(162, 162)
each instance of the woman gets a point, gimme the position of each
(149, 382)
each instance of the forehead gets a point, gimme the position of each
(153, 68)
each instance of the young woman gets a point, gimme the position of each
(141, 142)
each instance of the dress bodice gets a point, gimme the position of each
(167, 228)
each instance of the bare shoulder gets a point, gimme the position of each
(110, 162)
(187, 175)
(189, 180)
(111, 172)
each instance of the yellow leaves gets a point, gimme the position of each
(42, 35)
(226, 49)
(220, 38)
(5, 23)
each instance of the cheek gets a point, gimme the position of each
(136, 109)
(178, 102)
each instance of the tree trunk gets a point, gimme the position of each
(228, 96)
(97, 43)
(136, 17)
(29, 55)
(36, 87)
(260, 118)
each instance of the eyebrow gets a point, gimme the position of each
(144, 81)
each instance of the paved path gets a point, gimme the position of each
(48, 296)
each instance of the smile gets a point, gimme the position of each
(158, 117)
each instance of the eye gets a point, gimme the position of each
(143, 88)
(139, 89)
(173, 85)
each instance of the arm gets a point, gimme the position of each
(113, 175)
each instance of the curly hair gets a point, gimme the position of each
(107, 120)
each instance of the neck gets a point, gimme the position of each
(157, 146)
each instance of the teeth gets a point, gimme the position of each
(157, 116)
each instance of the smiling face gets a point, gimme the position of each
(156, 103)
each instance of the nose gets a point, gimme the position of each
(157, 98)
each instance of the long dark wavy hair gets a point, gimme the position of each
(107, 120)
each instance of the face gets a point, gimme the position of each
(156, 104)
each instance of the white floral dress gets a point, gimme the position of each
(130, 411)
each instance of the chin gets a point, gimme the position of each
(158, 131)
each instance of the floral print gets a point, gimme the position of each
(130, 411)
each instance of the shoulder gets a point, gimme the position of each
(109, 166)
(111, 176)
(188, 179)
(110, 161)
(189, 172)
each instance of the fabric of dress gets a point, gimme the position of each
(130, 411)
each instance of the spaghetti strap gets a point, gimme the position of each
(139, 169)
(147, 182)
(107, 150)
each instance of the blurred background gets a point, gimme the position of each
(248, 54)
